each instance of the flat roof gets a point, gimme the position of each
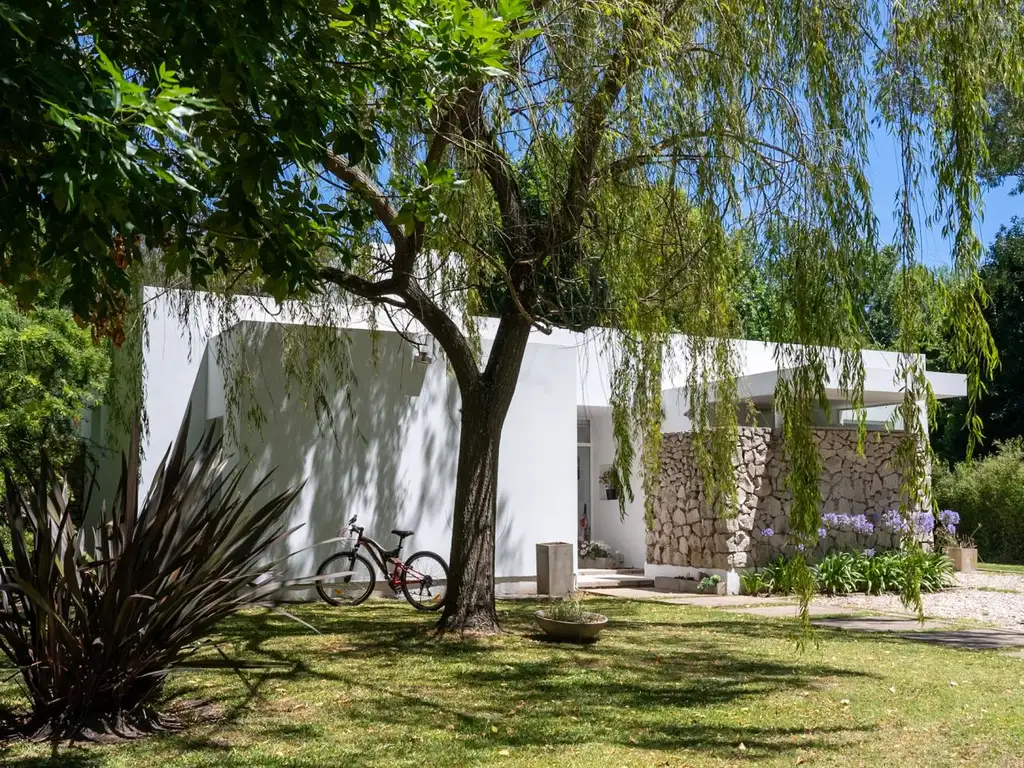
(882, 386)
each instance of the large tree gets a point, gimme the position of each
(1002, 405)
(581, 163)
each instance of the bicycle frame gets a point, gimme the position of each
(382, 558)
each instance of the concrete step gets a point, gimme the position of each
(622, 577)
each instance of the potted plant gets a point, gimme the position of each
(610, 480)
(710, 584)
(567, 620)
(597, 554)
(961, 549)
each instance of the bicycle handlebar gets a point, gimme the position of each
(352, 527)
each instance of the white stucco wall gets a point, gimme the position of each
(389, 457)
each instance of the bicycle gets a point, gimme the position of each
(423, 578)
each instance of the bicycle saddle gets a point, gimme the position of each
(400, 533)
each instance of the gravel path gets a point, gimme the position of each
(992, 598)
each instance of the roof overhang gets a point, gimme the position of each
(882, 386)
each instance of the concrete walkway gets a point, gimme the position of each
(932, 631)
(903, 626)
(679, 598)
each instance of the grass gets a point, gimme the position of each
(1004, 567)
(665, 686)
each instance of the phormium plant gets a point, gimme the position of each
(94, 620)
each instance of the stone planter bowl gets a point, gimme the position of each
(574, 631)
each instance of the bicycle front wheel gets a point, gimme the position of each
(425, 581)
(354, 582)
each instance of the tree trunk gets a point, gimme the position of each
(469, 606)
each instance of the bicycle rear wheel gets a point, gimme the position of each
(350, 589)
(425, 581)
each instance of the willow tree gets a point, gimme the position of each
(610, 166)
(599, 164)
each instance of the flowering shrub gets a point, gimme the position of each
(924, 522)
(862, 525)
(859, 523)
(595, 549)
(893, 521)
(949, 520)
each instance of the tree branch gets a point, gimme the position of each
(496, 166)
(404, 293)
(367, 188)
(588, 141)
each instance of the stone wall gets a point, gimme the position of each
(687, 532)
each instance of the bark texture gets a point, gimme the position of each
(469, 606)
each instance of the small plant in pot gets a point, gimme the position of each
(610, 480)
(567, 620)
(961, 549)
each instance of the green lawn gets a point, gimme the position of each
(1001, 567)
(665, 686)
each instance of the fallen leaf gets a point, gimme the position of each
(743, 747)
(845, 702)
(494, 729)
(503, 752)
(892, 689)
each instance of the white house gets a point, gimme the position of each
(390, 454)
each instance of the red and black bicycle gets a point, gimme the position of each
(423, 578)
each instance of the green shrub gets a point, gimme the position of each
(94, 620)
(936, 572)
(885, 572)
(780, 576)
(840, 573)
(709, 583)
(752, 582)
(989, 495)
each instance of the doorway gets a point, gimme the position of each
(583, 481)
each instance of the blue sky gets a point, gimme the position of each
(884, 175)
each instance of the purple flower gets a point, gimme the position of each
(924, 522)
(800, 547)
(869, 552)
(893, 521)
(949, 519)
(822, 532)
(832, 520)
(862, 525)
(767, 532)
(951, 529)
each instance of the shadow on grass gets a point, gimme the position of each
(648, 683)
